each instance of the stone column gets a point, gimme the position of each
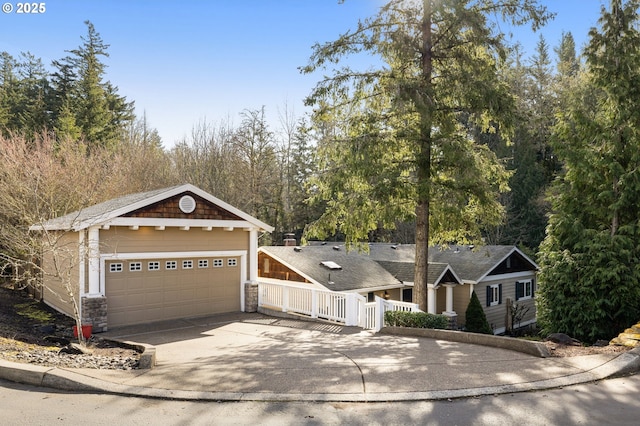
(251, 297)
(94, 312)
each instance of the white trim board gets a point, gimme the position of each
(179, 223)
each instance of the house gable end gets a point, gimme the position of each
(515, 262)
(170, 208)
(449, 277)
(270, 267)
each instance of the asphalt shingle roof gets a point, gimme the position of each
(100, 213)
(95, 212)
(470, 264)
(359, 271)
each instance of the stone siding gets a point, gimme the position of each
(94, 312)
(250, 297)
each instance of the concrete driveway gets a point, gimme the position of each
(252, 356)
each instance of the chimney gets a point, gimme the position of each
(290, 240)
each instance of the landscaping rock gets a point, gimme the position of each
(630, 337)
(62, 341)
(563, 339)
(75, 349)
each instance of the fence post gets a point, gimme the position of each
(379, 313)
(314, 303)
(362, 311)
(351, 314)
(285, 298)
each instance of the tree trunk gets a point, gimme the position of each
(422, 255)
(424, 166)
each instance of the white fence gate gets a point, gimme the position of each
(350, 309)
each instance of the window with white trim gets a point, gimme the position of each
(203, 263)
(135, 266)
(153, 266)
(115, 267)
(171, 265)
(218, 263)
(187, 264)
(524, 289)
(232, 262)
(494, 295)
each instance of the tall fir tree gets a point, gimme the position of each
(99, 112)
(590, 279)
(399, 147)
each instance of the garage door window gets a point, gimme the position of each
(187, 264)
(232, 262)
(203, 263)
(218, 263)
(135, 266)
(154, 266)
(171, 265)
(115, 267)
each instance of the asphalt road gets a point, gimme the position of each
(609, 402)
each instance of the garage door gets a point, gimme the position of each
(141, 291)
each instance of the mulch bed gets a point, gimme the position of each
(32, 332)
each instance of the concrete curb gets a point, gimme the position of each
(529, 347)
(147, 352)
(56, 378)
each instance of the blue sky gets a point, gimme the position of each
(185, 61)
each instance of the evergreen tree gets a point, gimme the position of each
(8, 92)
(100, 113)
(590, 280)
(568, 63)
(33, 115)
(530, 156)
(397, 146)
(476, 320)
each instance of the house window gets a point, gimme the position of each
(153, 266)
(171, 265)
(115, 267)
(135, 266)
(218, 263)
(203, 263)
(232, 262)
(187, 264)
(524, 289)
(494, 295)
(407, 294)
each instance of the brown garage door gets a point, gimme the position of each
(141, 291)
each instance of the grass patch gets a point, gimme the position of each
(33, 310)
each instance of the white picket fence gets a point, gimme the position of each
(350, 309)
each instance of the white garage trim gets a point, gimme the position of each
(178, 255)
(178, 223)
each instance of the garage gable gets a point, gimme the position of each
(178, 207)
(178, 203)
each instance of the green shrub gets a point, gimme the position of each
(415, 319)
(476, 318)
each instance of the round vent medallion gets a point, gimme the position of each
(187, 204)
